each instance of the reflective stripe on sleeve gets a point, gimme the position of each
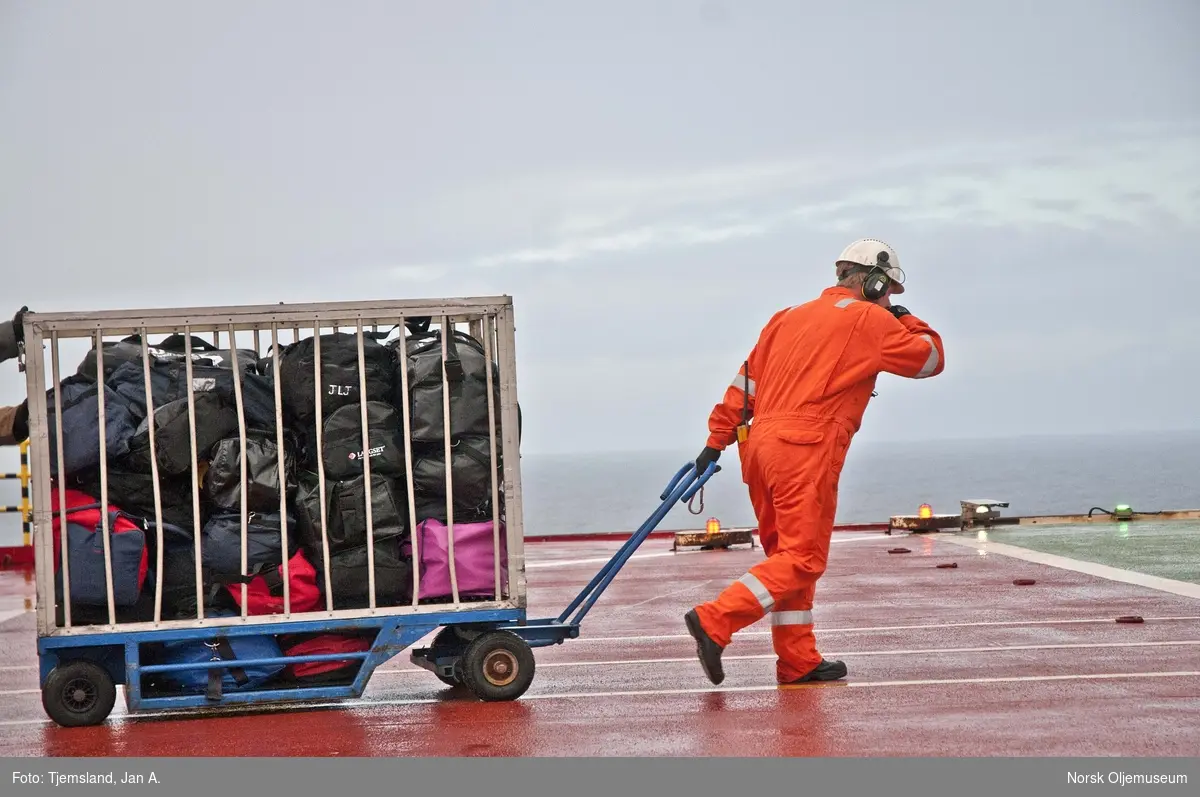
(742, 383)
(932, 363)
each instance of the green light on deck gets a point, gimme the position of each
(1123, 511)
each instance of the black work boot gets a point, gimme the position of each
(825, 671)
(708, 651)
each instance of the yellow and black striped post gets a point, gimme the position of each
(24, 508)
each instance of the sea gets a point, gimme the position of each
(582, 493)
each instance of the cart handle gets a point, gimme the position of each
(678, 490)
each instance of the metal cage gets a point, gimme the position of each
(488, 319)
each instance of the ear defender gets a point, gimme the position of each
(876, 285)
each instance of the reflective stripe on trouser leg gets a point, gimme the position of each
(793, 638)
(742, 603)
(797, 617)
(760, 593)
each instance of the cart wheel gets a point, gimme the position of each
(78, 693)
(498, 665)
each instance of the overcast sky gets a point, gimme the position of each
(648, 180)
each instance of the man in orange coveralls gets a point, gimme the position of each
(806, 384)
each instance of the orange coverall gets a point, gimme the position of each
(811, 374)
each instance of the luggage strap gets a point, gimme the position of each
(270, 575)
(479, 458)
(223, 651)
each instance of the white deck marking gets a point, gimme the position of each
(1079, 566)
(846, 653)
(599, 560)
(369, 704)
(12, 615)
(669, 594)
(883, 629)
(868, 684)
(860, 630)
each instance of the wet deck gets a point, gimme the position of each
(943, 662)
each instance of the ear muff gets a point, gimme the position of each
(876, 285)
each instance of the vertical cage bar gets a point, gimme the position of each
(366, 461)
(493, 475)
(405, 412)
(447, 331)
(513, 509)
(40, 478)
(102, 413)
(62, 486)
(319, 433)
(158, 517)
(197, 525)
(241, 411)
(283, 516)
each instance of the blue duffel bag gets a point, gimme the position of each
(214, 682)
(81, 425)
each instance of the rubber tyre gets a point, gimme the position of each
(448, 638)
(498, 666)
(78, 693)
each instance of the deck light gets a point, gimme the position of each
(925, 512)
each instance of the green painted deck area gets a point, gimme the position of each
(1169, 550)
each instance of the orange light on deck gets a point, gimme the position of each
(714, 526)
(925, 512)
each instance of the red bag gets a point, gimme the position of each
(85, 530)
(325, 671)
(264, 590)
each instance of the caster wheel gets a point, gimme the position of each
(78, 693)
(448, 639)
(498, 666)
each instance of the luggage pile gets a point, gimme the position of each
(323, 430)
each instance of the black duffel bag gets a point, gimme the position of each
(466, 372)
(223, 479)
(471, 480)
(221, 543)
(215, 420)
(348, 575)
(133, 492)
(346, 513)
(339, 374)
(342, 444)
(179, 574)
(168, 383)
(170, 349)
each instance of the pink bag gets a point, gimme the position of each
(474, 560)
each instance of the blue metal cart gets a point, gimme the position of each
(489, 652)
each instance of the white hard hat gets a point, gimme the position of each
(873, 252)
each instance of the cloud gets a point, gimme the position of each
(1140, 175)
(643, 238)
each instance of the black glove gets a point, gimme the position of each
(18, 323)
(898, 310)
(706, 458)
(12, 334)
(20, 427)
